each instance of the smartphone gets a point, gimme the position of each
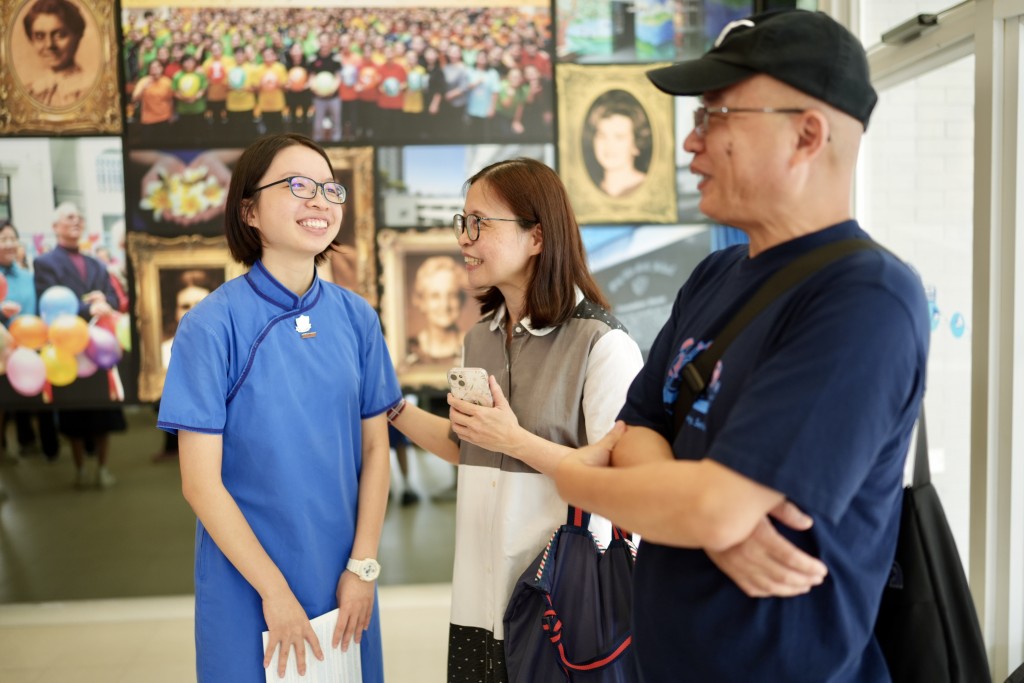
(470, 384)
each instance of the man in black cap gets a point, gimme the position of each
(810, 407)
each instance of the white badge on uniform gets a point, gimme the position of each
(304, 327)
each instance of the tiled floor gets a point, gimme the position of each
(95, 585)
(149, 640)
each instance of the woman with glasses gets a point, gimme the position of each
(559, 367)
(277, 390)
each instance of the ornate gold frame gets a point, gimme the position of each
(360, 161)
(149, 255)
(394, 247)
(98, 112)
(655, 200)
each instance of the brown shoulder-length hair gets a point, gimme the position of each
(244, 241)
(536, 194)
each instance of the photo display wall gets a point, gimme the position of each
(121, 123)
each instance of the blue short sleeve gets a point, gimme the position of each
(380, 388)
(196, 387)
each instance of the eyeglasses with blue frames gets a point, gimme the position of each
(470, 224)
(702, 115)
(305, 188)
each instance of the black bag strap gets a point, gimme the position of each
(922, 468)
(694, 375)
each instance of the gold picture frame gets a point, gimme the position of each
(81, 99)
(587, 94)
(402, 254)
(150, 256)
(354, 264)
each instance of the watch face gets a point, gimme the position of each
(367, 570)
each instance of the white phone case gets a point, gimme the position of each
(470, 384)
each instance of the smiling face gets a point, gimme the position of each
(68, 227)
(54, 42)
(614, 142)
(8, 245)
(502, 255)
(293, 228)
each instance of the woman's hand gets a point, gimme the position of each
(766, 564)
(289, 628)
(355, 608)
(494, 429)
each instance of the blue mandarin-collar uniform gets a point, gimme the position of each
(286, 381)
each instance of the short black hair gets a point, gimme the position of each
(244, 241)
(68, 13)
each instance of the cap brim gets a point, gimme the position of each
(698, 76)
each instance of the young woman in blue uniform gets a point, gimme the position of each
(277, 389)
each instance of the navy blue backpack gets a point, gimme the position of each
(570, 611)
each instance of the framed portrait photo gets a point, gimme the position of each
(171, 276)
(427, 306)
(59, 67)
(353, 263)
(616, 144)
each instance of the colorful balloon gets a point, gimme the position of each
(236, 78)
(69, 333)
(391, 86)
(297, 78)
(29, 331)
(61, 366)
(123, 332)
(86, 368)
(3, 287)
(26, 372)
(324, 84)
(108, 322)
(270, 81)
(57, 300)
(188, 84)
(103, 349)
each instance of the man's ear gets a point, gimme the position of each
(813, 134)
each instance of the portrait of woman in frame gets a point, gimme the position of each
(426, 305)
(59, 72)
(171, 273)
(616, 144)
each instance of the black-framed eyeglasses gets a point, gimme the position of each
(702, 115)
(305, 188)
(470, 224)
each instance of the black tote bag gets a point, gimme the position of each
(927, 626)
(569, 615)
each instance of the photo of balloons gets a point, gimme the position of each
(58, 347)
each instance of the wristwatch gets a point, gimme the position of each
(367, 570)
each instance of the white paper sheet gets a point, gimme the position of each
(337, 667)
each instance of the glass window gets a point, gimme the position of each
(915, 195)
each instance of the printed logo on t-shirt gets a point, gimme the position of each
(699, 412)
(687, 352)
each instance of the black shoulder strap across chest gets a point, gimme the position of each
(694, 375)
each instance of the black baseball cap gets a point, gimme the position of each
(808, 50)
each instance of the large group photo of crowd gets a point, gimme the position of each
(437, 75)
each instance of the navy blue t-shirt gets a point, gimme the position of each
(816, 399)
